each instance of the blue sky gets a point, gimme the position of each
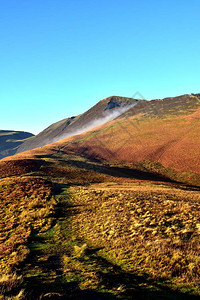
(58, 58)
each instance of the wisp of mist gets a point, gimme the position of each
(108, 115)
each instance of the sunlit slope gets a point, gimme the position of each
(96, 115)
(167, 132)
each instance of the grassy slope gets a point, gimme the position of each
(113, 234)
(164, 131)
(172, 140)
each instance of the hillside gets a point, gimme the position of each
(10, 140)
(163, 131)
(97, 115)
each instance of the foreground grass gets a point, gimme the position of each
(26, 205)
(90, 254)
(149, 230)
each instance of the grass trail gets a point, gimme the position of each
(63, 266)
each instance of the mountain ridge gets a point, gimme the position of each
(99, 115)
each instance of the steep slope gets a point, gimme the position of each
(9, 140)
(97, 115)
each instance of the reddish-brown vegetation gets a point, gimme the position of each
(115, 206)
(172, 141)
(18, 167)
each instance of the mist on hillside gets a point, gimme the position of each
(108, 115)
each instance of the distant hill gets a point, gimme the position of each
(10, 140)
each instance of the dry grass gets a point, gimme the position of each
(9, 282)
(20, 296)
(150, 230)
(26, 204)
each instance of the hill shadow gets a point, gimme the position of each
(124, 172)
(116, 283)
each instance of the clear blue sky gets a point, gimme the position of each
(58, 58)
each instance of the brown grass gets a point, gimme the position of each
(148, 229)
(25, 205)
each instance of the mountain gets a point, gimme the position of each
(132, 131)
(10, 140)
(126, 130)
(97, 115)
(164, 131)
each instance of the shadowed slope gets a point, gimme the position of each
(9, 140)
